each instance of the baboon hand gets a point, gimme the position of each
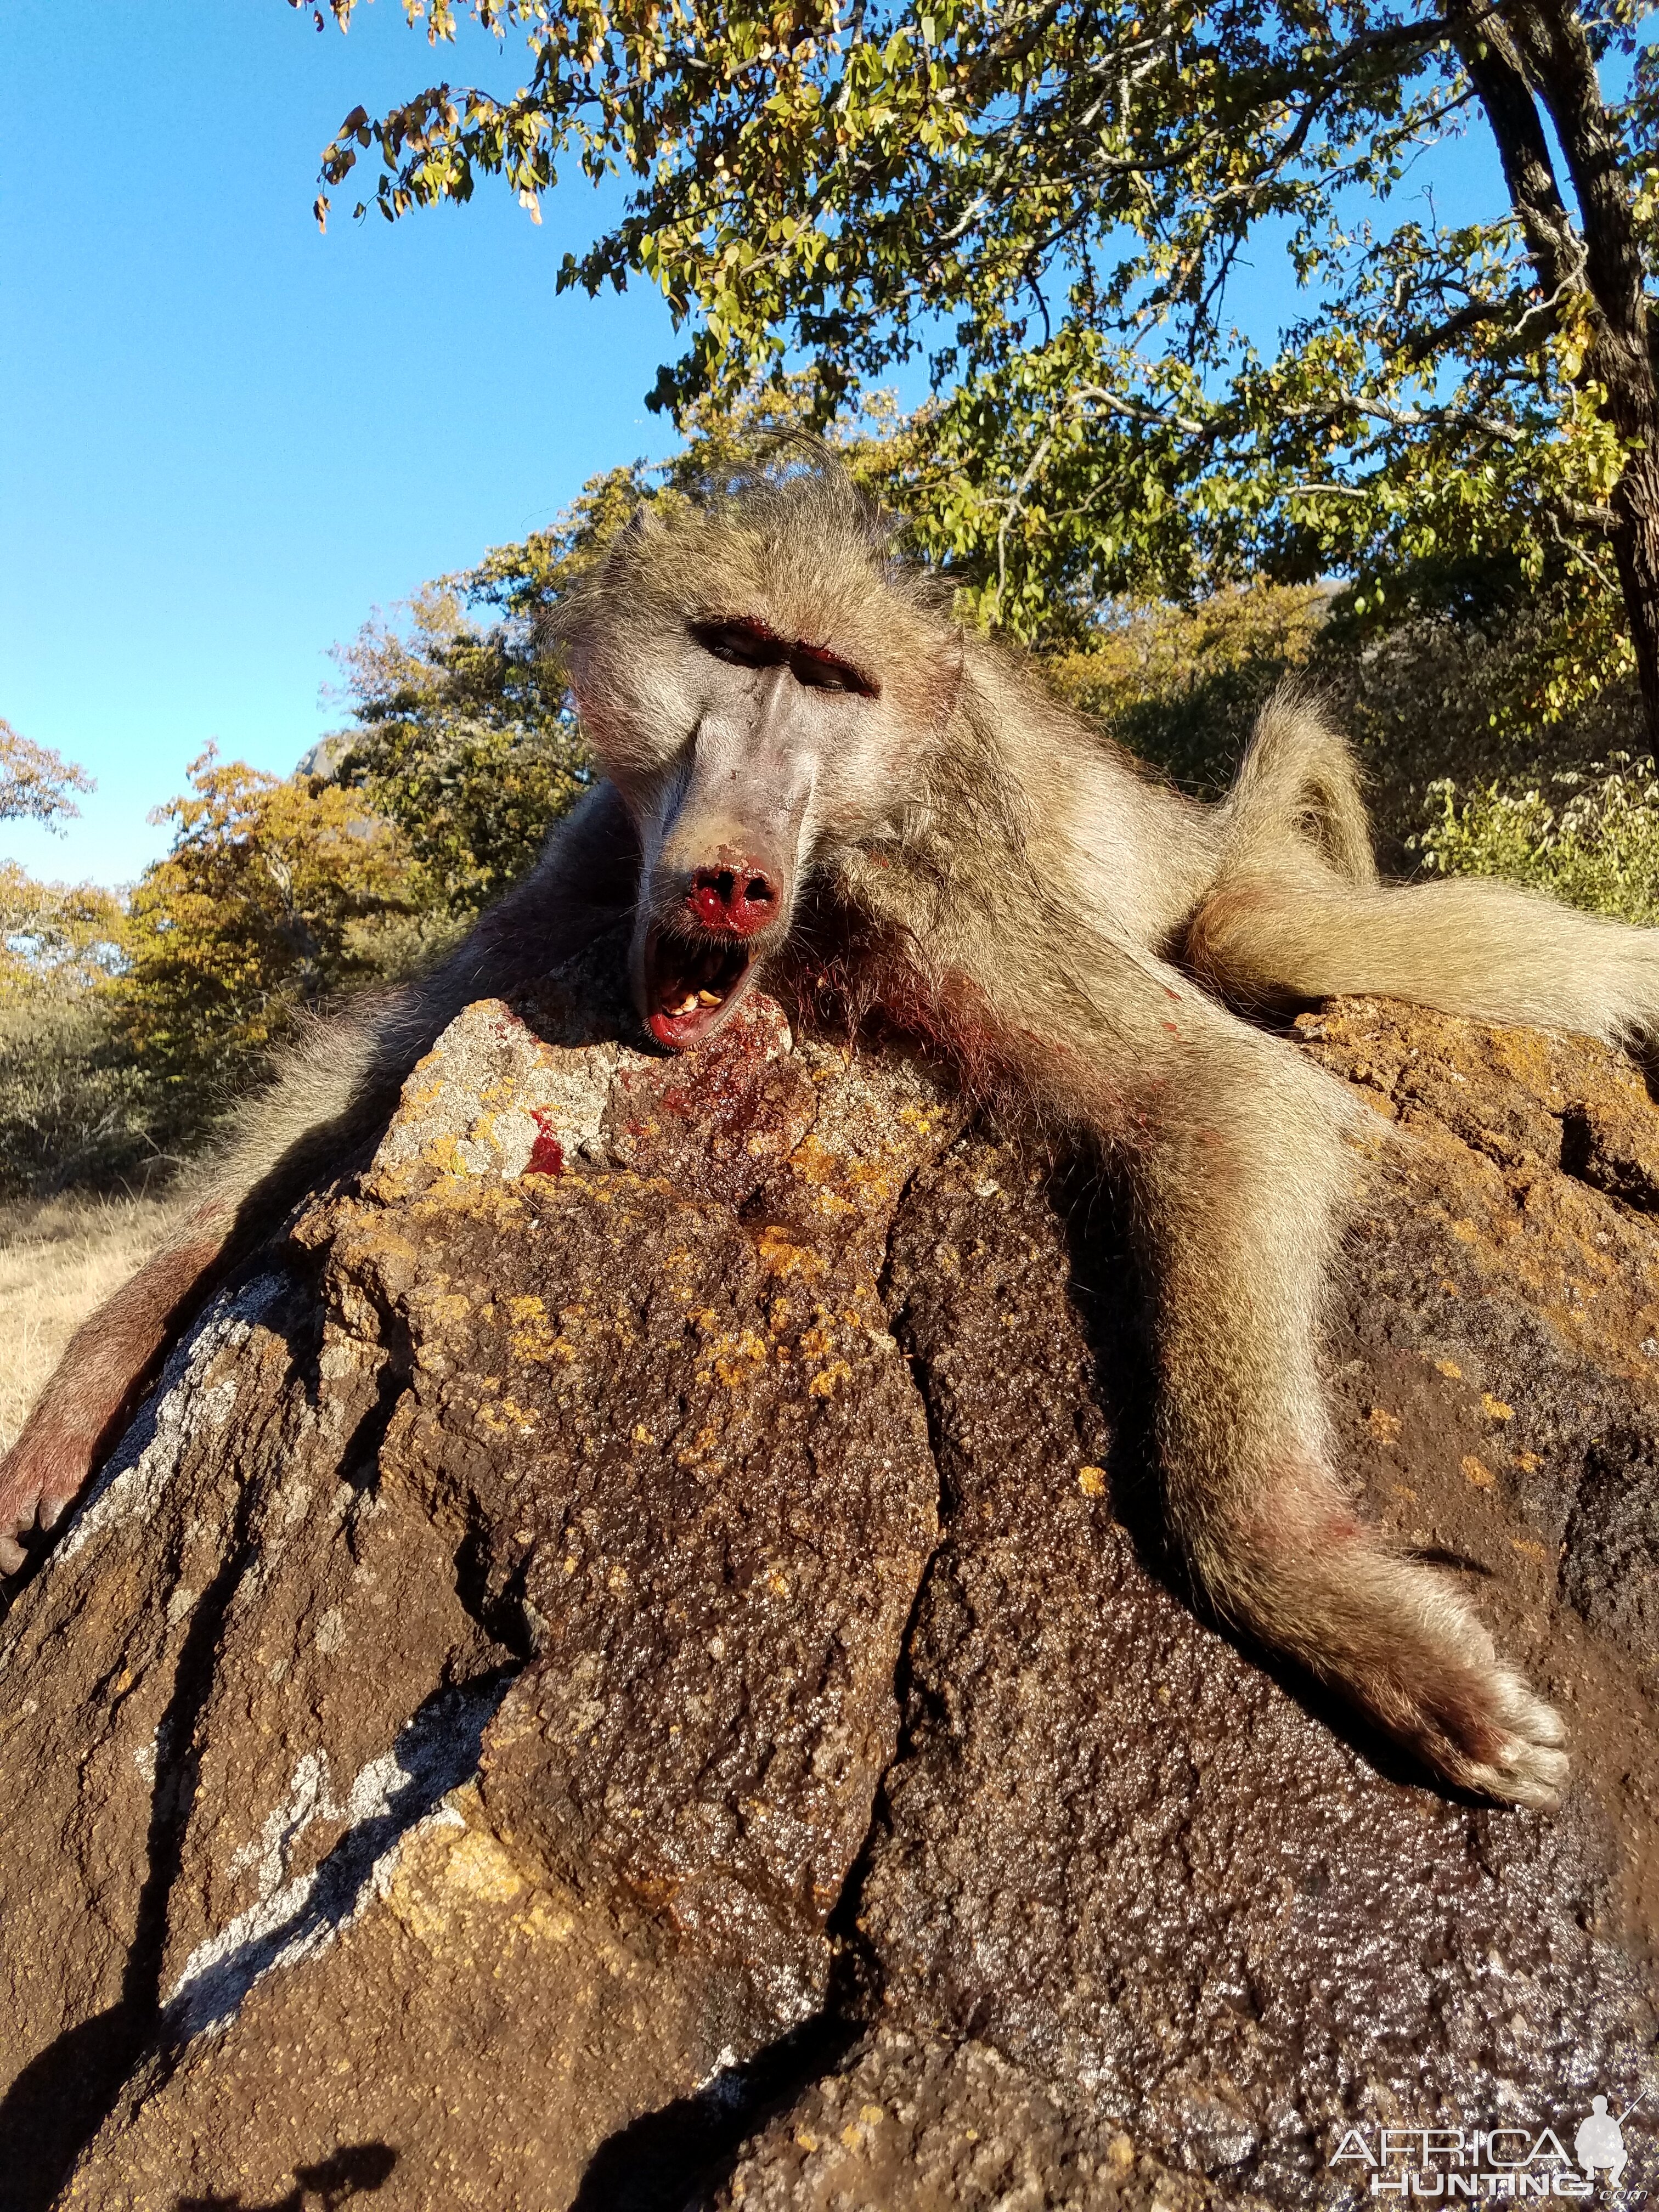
(39, 1477)
(1496, 1738)
(103, 1370)
(1528, 1766)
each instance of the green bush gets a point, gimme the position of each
(75, 1108)
(1182, 686)
(277, 894)
(1588, 835)
(1470, 769)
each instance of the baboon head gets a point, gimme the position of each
(761, 679)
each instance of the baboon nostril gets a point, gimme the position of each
(740, 898)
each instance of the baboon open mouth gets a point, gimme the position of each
(689, 983)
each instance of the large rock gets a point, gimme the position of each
(627, 1664)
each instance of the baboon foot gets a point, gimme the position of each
(1439, 1687)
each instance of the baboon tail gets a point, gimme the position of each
(1298, 785)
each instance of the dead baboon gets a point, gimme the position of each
(801, 749)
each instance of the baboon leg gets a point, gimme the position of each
(331, 1093)
(320, 1117)
(1242, 1156)
(1469, 946)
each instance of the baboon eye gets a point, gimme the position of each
(819, 673)
(740, 644)
(752, 645)
(822, 675)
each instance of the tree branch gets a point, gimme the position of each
(1558, 59)
(1489, 54)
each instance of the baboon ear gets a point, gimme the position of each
(547, 628)
(953, 661)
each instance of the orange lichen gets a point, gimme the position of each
(781, 1255)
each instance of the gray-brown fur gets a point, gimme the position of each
(810, 768)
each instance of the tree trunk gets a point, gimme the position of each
(1636, 545)
(1531, 53)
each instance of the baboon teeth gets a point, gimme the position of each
(688, 984)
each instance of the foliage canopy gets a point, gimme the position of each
(1055, 203)
(276, 893)
(463, 737)
(35, 782)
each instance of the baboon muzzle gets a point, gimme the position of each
(700, 940)
(719, 887)
(742, 899)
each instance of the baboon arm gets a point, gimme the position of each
(319, 1118)
(105, 1366)
(1242, 1156)
(1469, 946)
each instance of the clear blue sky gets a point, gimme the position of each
(224, 439)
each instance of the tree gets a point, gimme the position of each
(35, 782)
(1054, 201)
(73, 1106)
(463, 737)
(275, 893)
(55, 937)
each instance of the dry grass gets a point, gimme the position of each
(58, 1260)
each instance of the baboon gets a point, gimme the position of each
(811, 772)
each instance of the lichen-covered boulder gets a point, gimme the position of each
(627, 1664)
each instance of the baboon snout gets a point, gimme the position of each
(701, 932)
(741, 897)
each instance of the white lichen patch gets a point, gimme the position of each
(489, 1093)
(185, 1406)
(310, 1798)
(393, 1797)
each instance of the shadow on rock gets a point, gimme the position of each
(354, 2170)
(674, 2156)
(55, 2102)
